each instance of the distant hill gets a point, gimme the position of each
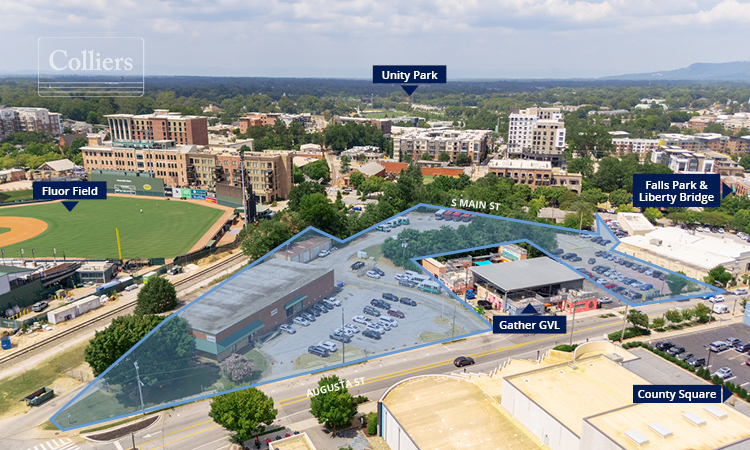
(730, 71)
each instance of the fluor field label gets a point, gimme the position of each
(70, 190)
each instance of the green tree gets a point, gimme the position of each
(318, 170)
(674, 316)
(619, 197)
(155, 297)
(245, 413)
(676, 283)
(718, 276)
(317, 210)
(299, 176)
(444, 156)
(426, 157)
(346, 163)
(268, 235)
(702, 312)
(463, 160)
(361, 158)
(593, 196)
(688, 314)
(301, 190)
(356, 179)
(637, 318)
(652, 214)
(658, 322)
(121, 335)
(333, 406)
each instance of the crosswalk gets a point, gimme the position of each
(57, 444)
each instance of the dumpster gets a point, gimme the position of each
(39, 397)
(5, 343)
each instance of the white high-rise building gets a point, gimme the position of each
(521, 126)
(538, 134)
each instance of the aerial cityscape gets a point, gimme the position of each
(320, 225)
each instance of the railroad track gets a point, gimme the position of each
(120, 308)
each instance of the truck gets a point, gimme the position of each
(720, 309)
(38, 397)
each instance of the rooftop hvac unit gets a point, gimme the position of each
(655, 241)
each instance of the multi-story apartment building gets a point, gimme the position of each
(383, 125)
(160, 126)
(256, 119)
(38, 119)
(535, 173)
(628, 145)
(537, 133)
(270, 173)
(7, 122)
(683, 161)
(417, 141)
(684, 141)
(699, 123)
(738, 145)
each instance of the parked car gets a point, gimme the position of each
(378, 271)
(716, 299)
(372, 334)
(407, 301)
(358, 265)
(328, 345)
(733, 341)
(407, 283)
(592, 261)
(340, 336)
(685, 356)
(724, 373)
(371, 311)
(664, 345)
(396, 313)
(463, 361)
(334, 301)
(718, 346)
(287, 329)
(39, 306)
(352, 328)
(320, 308)
(323, 254)
(318, 351)
(399, 277)
(301, 321)
(307, 316)
(485, 304)
(361, 319)
(373, 274)
(743, 347)
(389, 320)
(313, 311)
(674, 351)
(605, 300)
(375, 327)
(697, 362)
(382, 304)
(390, 297)
(329, 303)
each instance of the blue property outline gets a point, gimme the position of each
(569, 231)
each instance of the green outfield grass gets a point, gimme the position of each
(88, 231)
(12, 196)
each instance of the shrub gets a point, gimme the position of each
(237, 368)
(372, 426)
(565, 347)
(360, 399)
(717, 380)
(690, 368)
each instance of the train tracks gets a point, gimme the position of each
(187, 281)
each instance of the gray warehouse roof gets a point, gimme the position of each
(249, 292)
(526, 273)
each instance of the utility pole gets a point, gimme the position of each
(244, 192)
(453, 332)
(343, 337)
(140, 392)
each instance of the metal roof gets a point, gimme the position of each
(526, 273)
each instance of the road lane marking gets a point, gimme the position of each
(175, 432)
(185, 437)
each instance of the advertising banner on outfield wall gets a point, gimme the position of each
(167, 191)
(186, 192)
(211, 197)
(129, 182)
(176, 192)
(197, 194)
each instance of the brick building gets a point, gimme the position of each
(159, 126)
(383, 125)
(535, 173)
(418, 141)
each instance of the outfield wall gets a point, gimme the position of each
(133, 183)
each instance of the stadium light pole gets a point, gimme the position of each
(244, 192)
(138, 378)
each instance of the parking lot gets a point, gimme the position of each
(698, 344)
(435, 317)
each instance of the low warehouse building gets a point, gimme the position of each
(636, 224)
(688, 251)
(519, 279)
(254, 303)
(304, 251)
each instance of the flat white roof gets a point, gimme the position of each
(636, 221)
(704, 250)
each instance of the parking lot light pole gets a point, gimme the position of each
(343, 337)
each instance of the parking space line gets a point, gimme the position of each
(746, 382)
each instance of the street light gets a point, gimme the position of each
(138, 378)
(404, 244)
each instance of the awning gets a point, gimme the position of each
(294, 301)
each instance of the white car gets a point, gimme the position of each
(301, 321)
(721, 230)
(328, 345)
(699, 229)
(329, 303)
(374, 327)
(287, 328)
(334, 301)
(323, 254)
(351, 327)
(372, 274)
(361, 319)
(344, 330)
(389, 320)
(399, 277)
(716, 299)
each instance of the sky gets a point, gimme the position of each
(344, 39)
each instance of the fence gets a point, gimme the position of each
(200, 254)
(81, 373)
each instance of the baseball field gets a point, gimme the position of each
(148, 228)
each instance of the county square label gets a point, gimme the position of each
(684, 190)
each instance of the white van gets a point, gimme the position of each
(721, 309)
(718, 346)
(418, 278)
(740, 291)
(409, 273)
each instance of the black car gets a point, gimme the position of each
(371, 334)
(318, 351)
(656, 274)
(463, 361)
(320, 308)
(592, 260)
(558, 251)
(307, 316)
(358, 265)
(662, 276)
(382, 304)
(697, 362)
(685, 356)
(406, 283)
(664, 345)
(599, 253)
(568, 256)
(742, 347)
(674, 351)
(313, 311)
(390, 297)
(484, 304)
(378, 271)
(596, 239)
(407, 301)
(575, 259)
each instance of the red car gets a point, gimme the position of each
(610, 285)
(747, 362)
(396, 313)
